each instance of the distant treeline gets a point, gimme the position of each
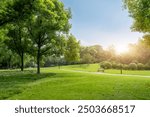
(136, 58)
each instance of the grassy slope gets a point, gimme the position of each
(59, 84)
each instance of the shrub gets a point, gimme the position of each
(125, 67)
(140, 66)
(114, 65)
(106, 65)
(147, 67)
(132, 66)
(119, 66)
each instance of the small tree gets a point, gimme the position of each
(72, 53)
(125, 67)
(140, 66)
(132, 66)
(86, 58)
(105, 65)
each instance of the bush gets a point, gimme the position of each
(125, 67)
(132, 66)
(118, 66)
(114, 65)
(106, 65)
(140, 66)
(147, 67)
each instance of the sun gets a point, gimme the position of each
(121, 49)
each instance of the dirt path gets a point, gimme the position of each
(109, 74)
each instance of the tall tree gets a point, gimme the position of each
(92, 54)
(140, 11)
(13, 14)
(49, 19)
(72, 53)
(18, 41)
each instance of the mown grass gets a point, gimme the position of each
(13, 82)
(58, 84)
(129, 72)
(83, 67)
(95, 67)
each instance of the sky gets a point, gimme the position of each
(103, 22)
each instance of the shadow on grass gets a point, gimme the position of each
(12, 82)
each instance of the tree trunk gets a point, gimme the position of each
(38, 61)
(22, 62)
(9, 62)
(121, 71)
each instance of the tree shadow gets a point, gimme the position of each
(13, 82)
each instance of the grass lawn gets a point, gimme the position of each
(130, 72)
(94, 68)
(62, 84)
(83, 67)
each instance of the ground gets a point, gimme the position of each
(74, 83)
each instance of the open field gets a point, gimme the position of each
(54, 83)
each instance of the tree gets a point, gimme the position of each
(92, 54)
(139, 11)
(133, 66)
(110, 53)
(139, 52)
(13, 13)
(18, 41)
(106, 65)
(140, 66)
(72, 53)
(86, 58)
(56, 56)
(7, 58)
(85, 55)
(60, 49)
(14, 10)
(146, 40)
(49, 19)
(98, 53)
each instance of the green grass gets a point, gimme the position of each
(94, 68)
(130, 72)
(83, 67)
(64, 84)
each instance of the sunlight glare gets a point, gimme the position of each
(121, 49)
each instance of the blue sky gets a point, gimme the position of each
(103, 22)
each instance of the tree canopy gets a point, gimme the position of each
(14, 10)
(48, 20)
(140, 11)
(72, 50)
(38, 22)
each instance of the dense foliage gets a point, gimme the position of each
(33, 27)
(38, 35)
(140, 11)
